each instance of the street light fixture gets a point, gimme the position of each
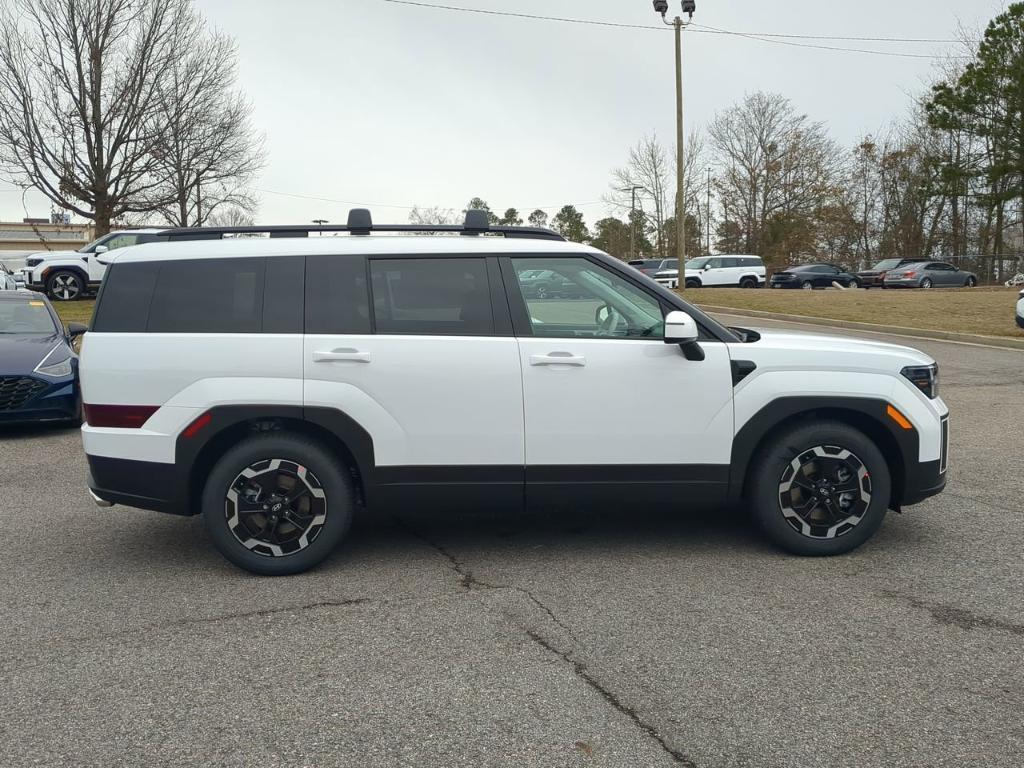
(689, 7)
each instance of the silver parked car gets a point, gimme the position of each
(930, 274)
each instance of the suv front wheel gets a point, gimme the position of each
(65, 286)
(820, 489)
(277, 504)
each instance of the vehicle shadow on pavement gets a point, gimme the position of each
(15, 432)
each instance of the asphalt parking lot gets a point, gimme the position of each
(640, 638)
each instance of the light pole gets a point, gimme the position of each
(709, 212)
(632, 219)
(689, 6)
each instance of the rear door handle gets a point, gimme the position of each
(341, 356)
(558, 358)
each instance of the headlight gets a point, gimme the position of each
(53, 365)
(924, 377)
(33, 262)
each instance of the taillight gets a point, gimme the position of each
(910, 273)
(122, 416)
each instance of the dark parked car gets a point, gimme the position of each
(875, 277)
(808, 276)
(930, 274)
(38, 366)
(546, 284)
(650, 267)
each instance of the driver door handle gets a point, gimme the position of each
(558, 358)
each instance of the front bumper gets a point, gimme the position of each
(872, 281)
(58, 401)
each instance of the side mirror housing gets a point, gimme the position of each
(680, 328)
(100, 249)
(77, 329)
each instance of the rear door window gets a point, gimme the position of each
(432, 296)
(337, 297)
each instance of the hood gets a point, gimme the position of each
(810, 351)
(20, 354)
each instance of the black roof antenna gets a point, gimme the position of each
(359, 221)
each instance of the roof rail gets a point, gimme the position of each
(360, 223)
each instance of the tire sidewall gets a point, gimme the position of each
(334, 479)
(772, 461)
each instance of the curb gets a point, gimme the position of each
(913, 333)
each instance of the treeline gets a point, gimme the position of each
(945, 182)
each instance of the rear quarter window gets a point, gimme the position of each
(238, 295)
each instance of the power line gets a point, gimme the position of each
(766, 37)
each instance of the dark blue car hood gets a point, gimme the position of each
(21, 353)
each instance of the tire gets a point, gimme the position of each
(65, 285)
(970, 282)
(775, 498)
(854, 284)
(748, 282)
(542, 291)
(926, 283)
(692, 283)
(807, 285)
(298, 548)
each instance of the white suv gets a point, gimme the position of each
(70, 275)
(302, 377)
(718, 272)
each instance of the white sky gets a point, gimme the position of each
(389, 105)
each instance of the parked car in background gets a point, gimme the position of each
(1020, 310)
(651, 267)
(70, 275)
(726, 271)
(546, 284)
(875, 277)
(809, 276)
(38, 365)
(930, 274)
(7, 279)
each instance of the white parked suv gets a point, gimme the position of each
(300, 378)
(70, 275)
(718, 272)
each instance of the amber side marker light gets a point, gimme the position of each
(899, 418)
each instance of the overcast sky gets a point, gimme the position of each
(379, 104)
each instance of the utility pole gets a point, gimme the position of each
(709, 212)
(632, 219)
(689, 7)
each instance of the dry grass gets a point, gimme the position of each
(986, 311)
(74, 311)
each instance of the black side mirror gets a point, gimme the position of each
(77, 329)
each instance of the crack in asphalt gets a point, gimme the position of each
(951, 615)
(580, 670)
(471, 581)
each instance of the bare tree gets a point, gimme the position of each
(80, 87)
(652, 170)
(209, 152)
(230, 216)
(435, 216)
(775, 166)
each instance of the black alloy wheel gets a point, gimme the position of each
(277, 503)
(822, 488)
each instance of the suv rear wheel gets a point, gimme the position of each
(277, 504)
(65, 286)
(820, 489)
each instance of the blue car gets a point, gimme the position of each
(38, 366)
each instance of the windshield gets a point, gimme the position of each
(25, 317)
(697, 263)
(887, 264)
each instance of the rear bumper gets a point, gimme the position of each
(901, 284)
(142, 484)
